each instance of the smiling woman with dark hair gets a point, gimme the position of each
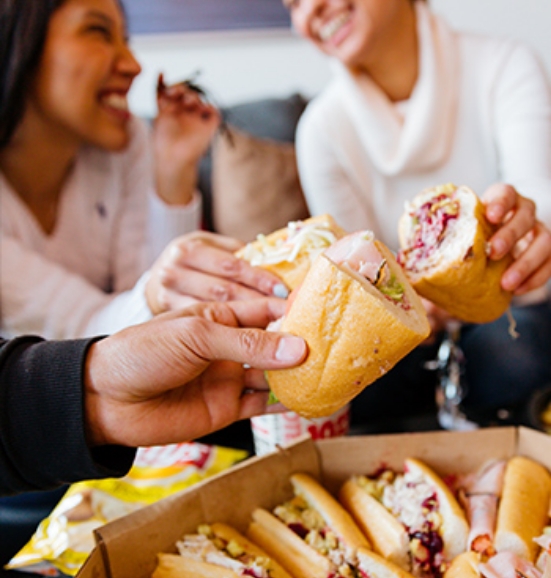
(88, 198)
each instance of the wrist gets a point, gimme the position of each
(177, 188)
(93, 378)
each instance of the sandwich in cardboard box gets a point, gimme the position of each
(129, 546)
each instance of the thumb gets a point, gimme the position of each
(255, 347)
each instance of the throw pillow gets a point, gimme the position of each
(255, 185)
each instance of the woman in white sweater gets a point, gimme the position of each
(89, 196)
(414, 104)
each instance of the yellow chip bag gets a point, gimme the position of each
(63, 541)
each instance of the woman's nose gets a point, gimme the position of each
(127, 63)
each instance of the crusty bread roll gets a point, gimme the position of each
(455, 528)
(444, 251)
(285, 546)
(289, 252)
(387, 535)
(464, 566)
(313, 536)
(413, 519)
(219, 552)
(357, 325)
(375, 566)
(523, 510)
(336, 517)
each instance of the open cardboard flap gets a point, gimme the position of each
(128, 546)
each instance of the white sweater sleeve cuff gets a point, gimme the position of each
(170, 221)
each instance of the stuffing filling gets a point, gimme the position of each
(415, 504)
(309, 525)
(205, 546)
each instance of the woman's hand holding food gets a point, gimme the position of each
(183, 130)
(520, 233)
(182, 375)
(201, 266)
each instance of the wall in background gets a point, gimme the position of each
(238, 66)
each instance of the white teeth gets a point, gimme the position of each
(116, 101)
(329, 29)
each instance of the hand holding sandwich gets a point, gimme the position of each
(521, 233)
(181, 375)
(201, 266)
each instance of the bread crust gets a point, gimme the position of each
(374, 565)
(464, 566)
(175, 566)
(468, 286)
(293, 273)
(282, 544)
(228, 533)
(178, 566)
(386, 534)
(455, 528)
(354, 333)
(337, 518)
(523, 509)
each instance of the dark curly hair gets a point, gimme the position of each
(24, 25)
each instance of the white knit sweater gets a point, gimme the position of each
(480, 113)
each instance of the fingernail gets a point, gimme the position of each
(290, 349)
(511, 280)
(495, 213)
(499, 247)
(280, 290)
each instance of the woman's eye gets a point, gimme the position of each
(102, 31)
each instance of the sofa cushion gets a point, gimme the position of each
(271, 118)
(255, 185)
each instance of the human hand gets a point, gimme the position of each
(181, 375)
(438, 320)
(201, 266)
(521, 234)
(183, 130)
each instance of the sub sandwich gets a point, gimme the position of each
(444, 238)
(411, 518)
(523, 510)
(312, 536)
(480, 493)
(359, 315)
(217, 551)
(289, 252)
(502, 565)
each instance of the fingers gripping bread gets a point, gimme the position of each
(289, 252)
(444, 251)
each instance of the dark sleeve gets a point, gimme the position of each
(42, 435)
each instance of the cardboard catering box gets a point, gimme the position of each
(128, 546)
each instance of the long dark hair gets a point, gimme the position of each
(23, 29)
